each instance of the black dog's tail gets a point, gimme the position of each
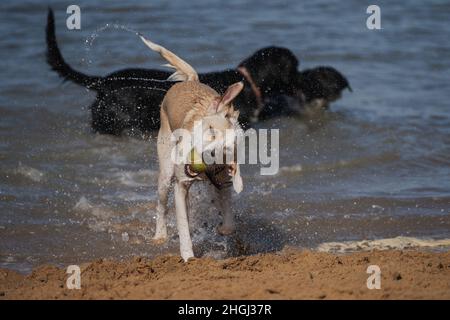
(56, 61)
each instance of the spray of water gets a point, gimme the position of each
(89, 42)
(139, 87)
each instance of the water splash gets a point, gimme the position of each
(137, 87)
(89, 42)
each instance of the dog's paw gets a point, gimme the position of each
(187, 255)
(225, 230)
(159, 240)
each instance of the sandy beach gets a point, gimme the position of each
(357, 178)
(288, 274)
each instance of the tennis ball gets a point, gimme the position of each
(197, 165)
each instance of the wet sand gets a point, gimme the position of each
(289, 274)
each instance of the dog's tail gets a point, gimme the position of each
(57, 63)
(184, 71)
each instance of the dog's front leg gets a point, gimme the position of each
(227, 227)
(166, 171)
(181, 198)
(164, 182)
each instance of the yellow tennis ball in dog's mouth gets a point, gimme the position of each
(197, 165)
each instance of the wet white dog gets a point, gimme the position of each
(190, 105)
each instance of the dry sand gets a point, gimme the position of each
(290, 274)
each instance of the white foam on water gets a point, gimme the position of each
(289, 169)
(383, 244)
(112, 154)
(100, 212)
(30, 173)
(139, 178)
(83, 204)
(129, 196)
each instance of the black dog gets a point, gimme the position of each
(129, 99)
(316, 89)
(320, 86)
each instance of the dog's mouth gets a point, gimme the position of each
(220, 175)
(190, 171)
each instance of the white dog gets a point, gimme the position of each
(185, 105)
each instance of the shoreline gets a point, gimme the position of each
(288, 274)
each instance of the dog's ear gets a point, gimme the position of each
(230, 94)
